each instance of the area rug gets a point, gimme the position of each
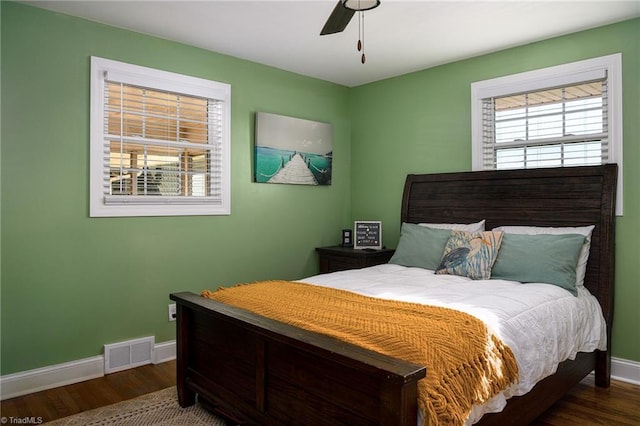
(155, 409)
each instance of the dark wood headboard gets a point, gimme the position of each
(570, 196)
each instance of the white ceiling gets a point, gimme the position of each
(401, 36)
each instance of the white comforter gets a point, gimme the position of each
(541, 323)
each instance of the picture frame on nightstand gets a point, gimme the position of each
(367, 235)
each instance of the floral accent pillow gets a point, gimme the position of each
(470, 254)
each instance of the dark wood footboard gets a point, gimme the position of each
(253, 370)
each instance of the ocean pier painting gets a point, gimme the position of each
(292, 150)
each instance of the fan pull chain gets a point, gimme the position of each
(361, 35)
(359, 32)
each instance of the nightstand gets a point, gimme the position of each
(338, 258)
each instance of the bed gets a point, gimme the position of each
(254, 370)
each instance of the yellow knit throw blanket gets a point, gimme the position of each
(466, 364)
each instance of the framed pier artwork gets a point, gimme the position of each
(292, 150)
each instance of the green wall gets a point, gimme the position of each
(71, 284)
(421, 122)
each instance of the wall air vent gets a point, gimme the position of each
(124, 355)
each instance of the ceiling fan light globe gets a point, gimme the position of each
(360, 5)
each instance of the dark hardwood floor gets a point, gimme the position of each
(585, 404)
(72, 399)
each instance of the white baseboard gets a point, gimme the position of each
(625, 370)
(40, 379)
(25, 382)
(164, 352)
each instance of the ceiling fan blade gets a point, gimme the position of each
(338, 20)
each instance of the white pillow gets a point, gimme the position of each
(471, 227)
(581, 268)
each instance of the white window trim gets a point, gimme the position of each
(149, 77)
(559, 75)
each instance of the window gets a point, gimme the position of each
(160, 143)
(568, 115)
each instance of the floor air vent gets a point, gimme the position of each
(129, 354)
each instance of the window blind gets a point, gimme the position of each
(160, 143)
(561, 126)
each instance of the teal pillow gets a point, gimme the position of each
(542, 258)
(420, 246)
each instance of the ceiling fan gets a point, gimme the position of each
(343, 12)
(341, 16)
